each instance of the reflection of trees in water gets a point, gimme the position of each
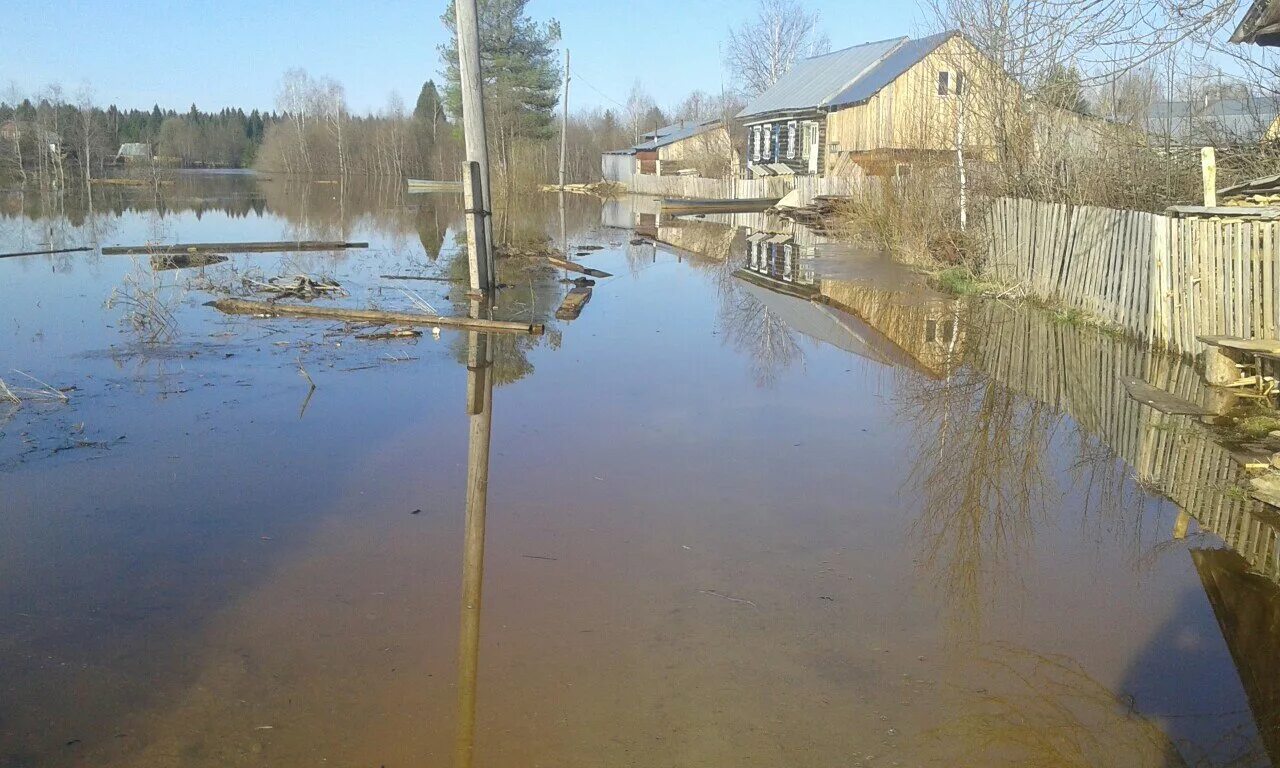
(1043, 710)
(983, 435)
(32, 221)
(982, 481)
(751, 328)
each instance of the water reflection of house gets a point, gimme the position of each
(1247, 607)
(892, 322)
(777, 257)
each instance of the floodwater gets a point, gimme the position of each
(769, 501)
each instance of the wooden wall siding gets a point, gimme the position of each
(908, 114)
(1166, 280)
(1076, 370)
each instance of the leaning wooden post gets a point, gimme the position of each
(472, 86)
(1209, 173)
(478, 262)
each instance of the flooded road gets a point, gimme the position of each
(768, 501)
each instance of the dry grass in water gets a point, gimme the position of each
(44, 393)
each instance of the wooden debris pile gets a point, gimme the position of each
(302, 287)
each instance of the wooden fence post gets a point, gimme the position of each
(1209, 173)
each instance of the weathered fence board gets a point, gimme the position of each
(1165, 279)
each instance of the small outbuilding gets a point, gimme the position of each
(134, 152)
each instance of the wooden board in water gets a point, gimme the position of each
(573, 303)
(681, 207)
(263, 247)
(1159, 399)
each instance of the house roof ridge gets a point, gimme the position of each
(901, 42)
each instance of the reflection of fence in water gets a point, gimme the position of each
(1077, 370)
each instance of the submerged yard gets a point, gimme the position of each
(768, 501)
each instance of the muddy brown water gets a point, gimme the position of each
(768, 501)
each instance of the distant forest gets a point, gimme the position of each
(228, 138)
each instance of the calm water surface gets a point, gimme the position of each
(768, 501)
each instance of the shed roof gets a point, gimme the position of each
(1196, 122)
(670, 134)
(812, 82)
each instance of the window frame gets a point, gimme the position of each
(944, 83)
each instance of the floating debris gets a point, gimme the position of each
(302, 287)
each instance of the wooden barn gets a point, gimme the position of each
(880, 105)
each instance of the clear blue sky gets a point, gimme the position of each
(139, 52)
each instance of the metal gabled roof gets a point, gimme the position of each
(670, 134)
(813, 82)
(889, 68)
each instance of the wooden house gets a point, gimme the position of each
(690, 146)
(878, 104)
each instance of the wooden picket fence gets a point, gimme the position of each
(1165, 279)
(848, 184)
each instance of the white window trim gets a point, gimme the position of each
(793, 134)
(755, 143)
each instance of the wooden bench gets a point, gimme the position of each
(1231, 361)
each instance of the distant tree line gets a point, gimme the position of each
(46, 136)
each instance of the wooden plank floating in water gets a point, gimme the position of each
(45, 253)
(261, 247)
(573, 303)
(429, 278)
(575, 267)
(1161, 400)
(680, 207)
(243, 307)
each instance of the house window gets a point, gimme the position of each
(792, 131)
(755, 143)
(944, 83)
(767, 152)
(959, 83)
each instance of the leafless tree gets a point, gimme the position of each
(335, 113)
(639, 105)
(88, 129)
(13, 95)
(762, 50)
(295, 98)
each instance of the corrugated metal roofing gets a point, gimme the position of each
(813, 82)
(1200, 123)
(889, 68)
(670, 134)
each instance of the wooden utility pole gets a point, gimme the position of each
(480, 411)
(564, 121)
(479, 221)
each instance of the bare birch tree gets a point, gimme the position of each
(763, 49)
